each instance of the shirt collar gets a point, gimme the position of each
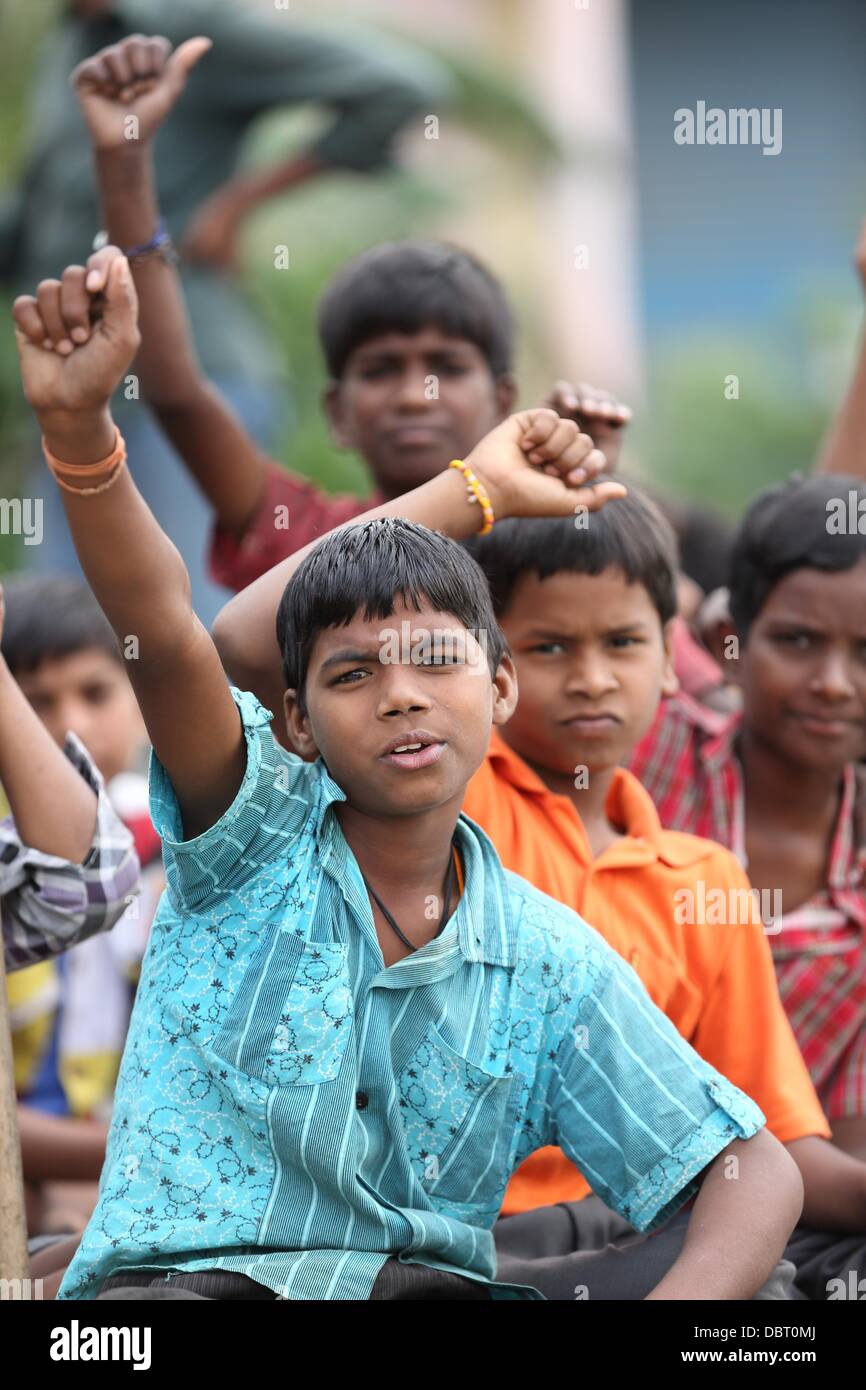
(629, 807)
(486, 929)
(721, 730)
(846, 865)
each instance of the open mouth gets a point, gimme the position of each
(414, 750)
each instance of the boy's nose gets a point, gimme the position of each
(591, 678)
(402, 692)
(833, 679)
(413, 391)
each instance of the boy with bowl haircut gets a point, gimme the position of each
(294, 1109)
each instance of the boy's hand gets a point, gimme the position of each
(597, 413)
(77, 336)
(139, 78)
(537, 464)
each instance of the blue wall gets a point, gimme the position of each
(729, 235)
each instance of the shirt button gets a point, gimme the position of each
(362, 1100)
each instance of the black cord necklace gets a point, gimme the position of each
(449, 884)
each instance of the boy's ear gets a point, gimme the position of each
(504, 691)
(670, 680)
(332, 404)
(300, 734)
(717, 631)
(506, 394)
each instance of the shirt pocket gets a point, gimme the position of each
(457, 1123)
(290, 1021)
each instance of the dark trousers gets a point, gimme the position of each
(395, 1281)
(585, 1250)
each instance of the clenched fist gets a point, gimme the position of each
(78, 335)
(126, 91)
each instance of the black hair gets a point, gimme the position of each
(405, 286)
(790, 527)
(629, 534)
(51, 616)
(365, 569)
(705, 541)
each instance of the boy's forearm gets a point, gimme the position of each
(834, 1185)
(244, 629)
(134, 570)
(166, 362)
(209, 438)
(844, 449)
(247, 191)
(53, 807)
(54, 1148)
(739, 1225)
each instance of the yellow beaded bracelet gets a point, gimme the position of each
(477, 495)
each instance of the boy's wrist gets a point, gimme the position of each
(492, 486)
(122, 165)
(78, 436)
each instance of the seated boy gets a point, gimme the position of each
(331, 1073)
(588, 615)
(68, 871)
(782, 783)
(64, 657)
(587, 612)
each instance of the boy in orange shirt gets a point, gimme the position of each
(587, 605)
(587, 611)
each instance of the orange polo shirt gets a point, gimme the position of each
(716, 983)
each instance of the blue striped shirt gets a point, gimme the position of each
(290, 1109)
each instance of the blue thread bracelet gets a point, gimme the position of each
(160, 244)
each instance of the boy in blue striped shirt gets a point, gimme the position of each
(352, 1023)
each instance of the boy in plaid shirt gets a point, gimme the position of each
(782, 783)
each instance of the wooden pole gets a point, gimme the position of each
(14, 1260)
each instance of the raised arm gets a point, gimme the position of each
(844, 448)
(125, 93)
(76, 338)
(533, 464)
(53, 807)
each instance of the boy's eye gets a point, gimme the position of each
(96, 694)
(624, 640)
(549, 648)
(437, 658)
(799, 641)
(374, 371)
(351, 677)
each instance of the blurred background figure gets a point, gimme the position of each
(260, 62)
(707, 286)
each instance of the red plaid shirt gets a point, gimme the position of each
(688, 763)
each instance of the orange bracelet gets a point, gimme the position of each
(87, 470)
(92, 491)
(477, 495)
